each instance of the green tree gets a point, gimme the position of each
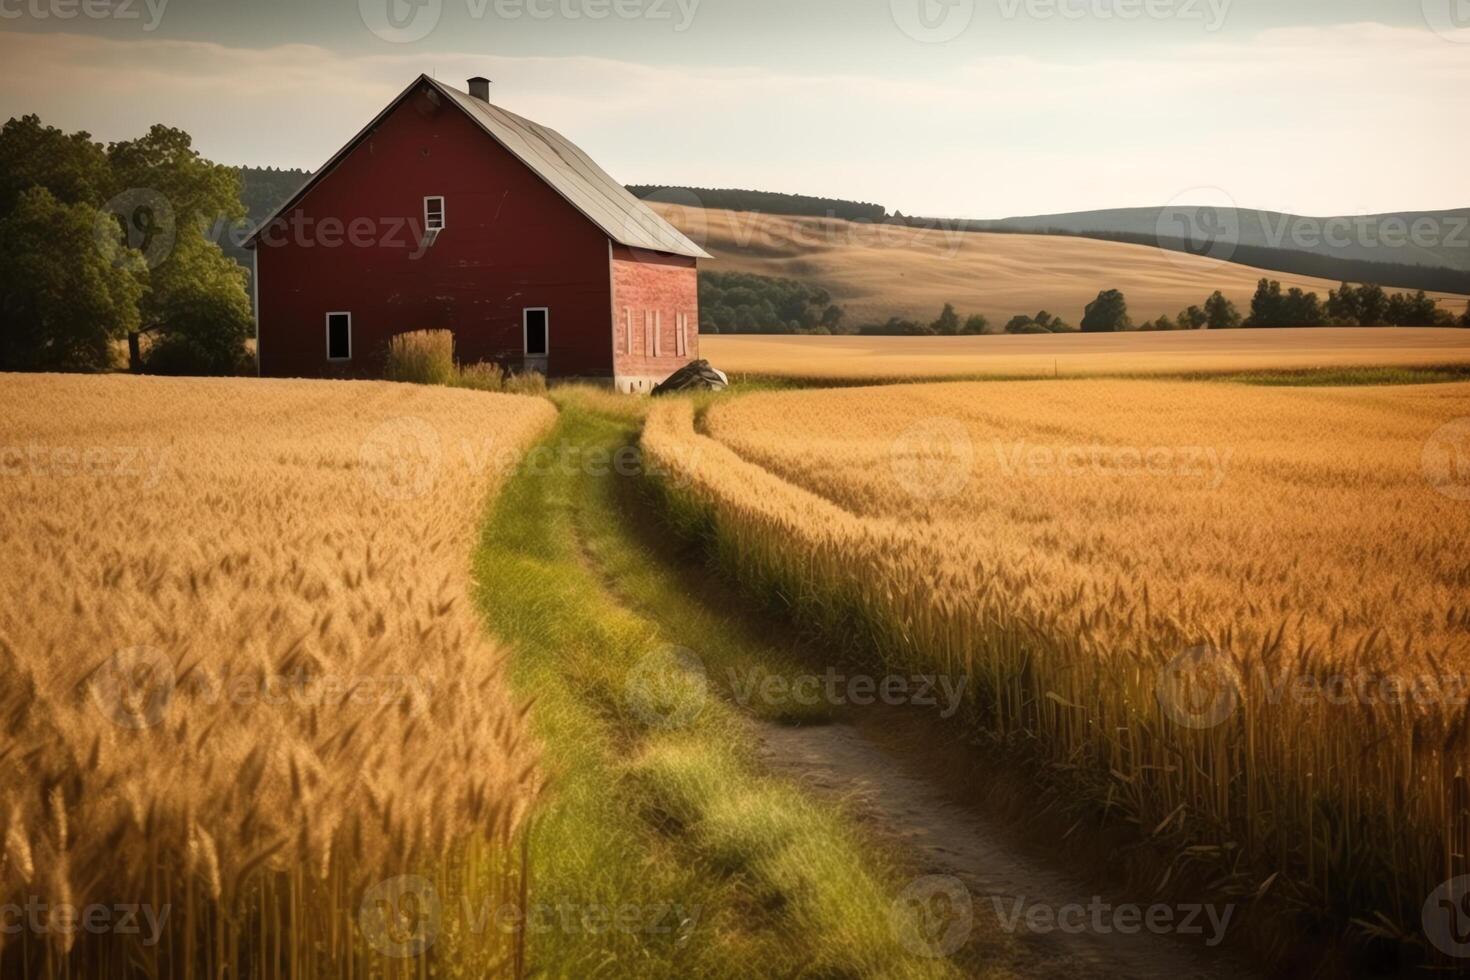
(1107, 313)
(1372, 305)
(1193, 318)
(977, 325)
(764, 304)
(948, 324)
(1415, 310)
(1022, 324)
(1465, 320)
(72, 167)
(1342, 307)
(199, 296)
(1270, 307)
(166, 196)
(1266, 305)
(66, 292)
(1220, 313)
(1302, 309)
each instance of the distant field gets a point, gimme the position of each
(1071, 355)
(238, 642)
(878, 271)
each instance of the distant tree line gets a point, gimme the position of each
(104, 244)
(262, 190)
(1347, 306)
(1271, 306)
(766, 202)
(737, 302)
(734, 302)
(948, 324)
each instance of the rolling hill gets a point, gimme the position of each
(1432, 239)
(876, 271)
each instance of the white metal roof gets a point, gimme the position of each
(556, 160)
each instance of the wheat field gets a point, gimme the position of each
(1236, 615)
(244, 681)
(879, 271)
(1080, 355)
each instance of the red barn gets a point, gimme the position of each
(449, 213)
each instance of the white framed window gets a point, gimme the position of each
(658, 334)
(339, 336)
(647, 333)
(536, 331)
(435, 216)
(628, 329)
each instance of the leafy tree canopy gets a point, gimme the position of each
(1220, 313)
(66, 291)
(149, 202)
(737, 302)
(69, 165)
(1107, 313)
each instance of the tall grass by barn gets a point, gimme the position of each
(426, 357)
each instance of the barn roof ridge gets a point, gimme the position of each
(559, 162)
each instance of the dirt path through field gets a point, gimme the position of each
(881, 765)
(911, 783)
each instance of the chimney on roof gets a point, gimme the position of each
(480, 88)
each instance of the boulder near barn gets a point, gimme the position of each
(449, 213)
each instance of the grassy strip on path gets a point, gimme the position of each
(662, 849)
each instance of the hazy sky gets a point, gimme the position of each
(976, 108)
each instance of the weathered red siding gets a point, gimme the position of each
(510, 242)
(646, 283)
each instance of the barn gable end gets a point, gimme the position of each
(517, 237)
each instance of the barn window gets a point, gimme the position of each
(434, 216)
(647, 333)
(538, 331)
(681, 339)
(628, 328)
(339, 336)
(658, 334)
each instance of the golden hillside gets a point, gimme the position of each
(878, 271)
